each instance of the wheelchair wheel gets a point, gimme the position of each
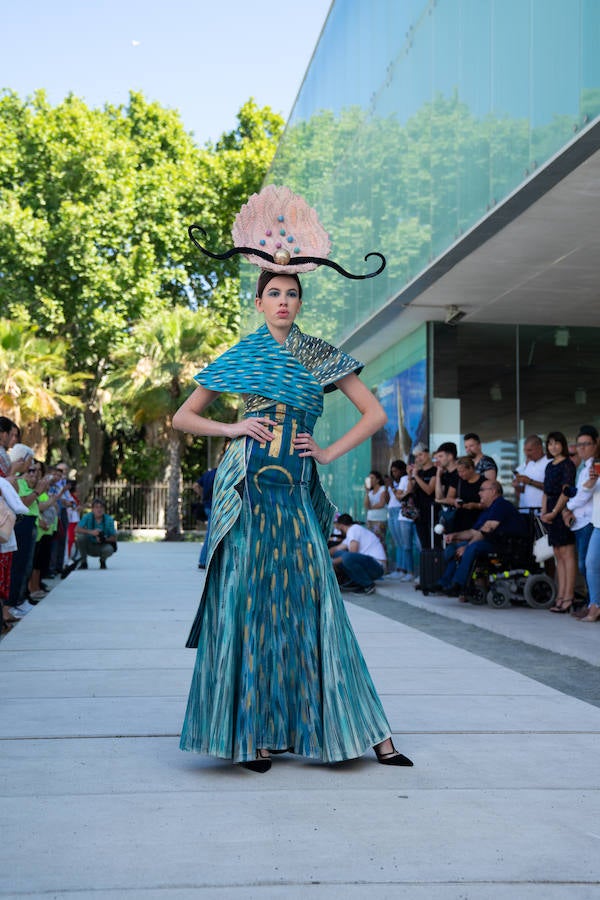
(499, 596)
(539, 591)
(476, 594)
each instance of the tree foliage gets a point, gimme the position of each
(94, 209)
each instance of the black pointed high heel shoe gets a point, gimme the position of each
(261, 764)
(393, 758)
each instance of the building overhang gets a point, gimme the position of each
(533, 259)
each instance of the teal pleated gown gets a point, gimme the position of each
(278, 665)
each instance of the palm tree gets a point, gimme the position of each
(34, 382)
(163, 354)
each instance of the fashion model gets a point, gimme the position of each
(278, 667)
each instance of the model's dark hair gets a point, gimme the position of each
(471, 436)
(266, 276)
(559, 437)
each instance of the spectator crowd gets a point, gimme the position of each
(41, 534)
(457, 504)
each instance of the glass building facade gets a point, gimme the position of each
(414, 122)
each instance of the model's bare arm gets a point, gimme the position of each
(189, 418)
(372, 418)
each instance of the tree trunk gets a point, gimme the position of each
(95, 432)
(174, 486)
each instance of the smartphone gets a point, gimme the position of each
(596, 466)
(411, 459)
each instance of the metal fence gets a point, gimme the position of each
(139, 506)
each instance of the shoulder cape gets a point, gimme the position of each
(296, 372)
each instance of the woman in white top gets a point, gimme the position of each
(592, 559)
(407, 530)
(375, 503)
(397, 566)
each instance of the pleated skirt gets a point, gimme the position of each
(278, 665)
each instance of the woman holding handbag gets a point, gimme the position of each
(560, 474)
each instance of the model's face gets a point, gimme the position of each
(472, 448)
(280, 304)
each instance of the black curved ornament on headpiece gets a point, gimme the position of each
(295, 261)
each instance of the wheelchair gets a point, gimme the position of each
(510, 575)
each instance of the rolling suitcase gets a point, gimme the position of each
(431, 564)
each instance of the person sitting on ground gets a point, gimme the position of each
(484, 465)
(96, 535)
(360, 558)
(498, 521)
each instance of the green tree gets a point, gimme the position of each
(94, 209)
(154, 375)
(34, 384)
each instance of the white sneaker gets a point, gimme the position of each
(395, 574)
(19, 611)
(417, 580)
(407, 577)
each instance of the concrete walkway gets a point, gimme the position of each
(98, 802)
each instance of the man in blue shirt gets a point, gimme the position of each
(96, 535)
(499, 519)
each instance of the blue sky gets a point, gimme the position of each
(200, 57)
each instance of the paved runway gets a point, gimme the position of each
(98, 802)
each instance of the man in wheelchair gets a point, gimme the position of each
(499, 529)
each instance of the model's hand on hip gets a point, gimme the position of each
(306, 445)
(254, 427)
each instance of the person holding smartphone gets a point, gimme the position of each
(592, 559)
(577, 514)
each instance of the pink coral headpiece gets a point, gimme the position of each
(278, 231)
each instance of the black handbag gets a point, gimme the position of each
(409, 509)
